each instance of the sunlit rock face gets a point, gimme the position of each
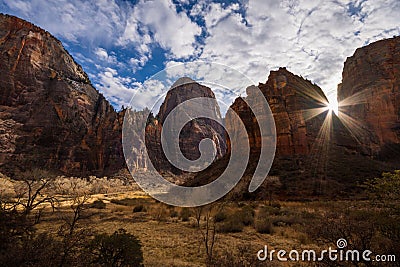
(192, 133)
(316, 155)
(370, 95)
(50, 115)
(298, 107)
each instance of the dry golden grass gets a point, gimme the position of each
(169, 241)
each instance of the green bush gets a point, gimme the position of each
(118, 249)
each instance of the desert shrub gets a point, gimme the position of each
(233, 224)
(159, 212)
(173, 213)
(247, 215)
(220, 216)
(98, 204)
(184, 214)
(308, 216)
(118, 249)
(139, 208)
(125, 201)
(276, 205)
(32, 250)
(303, 239)
(270, 210)
(264, 226)
(285, 220)
(361, 229)
(263, 223)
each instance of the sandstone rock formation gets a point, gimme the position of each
(315, 153)
(370, 95)
(50, 115)
(292, 101)
(192, 133)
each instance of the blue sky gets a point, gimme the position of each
(122, 43)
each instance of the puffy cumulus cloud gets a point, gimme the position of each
(119, 90)
(311, 38)
(111, 23)
(123, 91)
(226, 82)
(158, 22)
(150, 94)
(173, 31)
(103, 55)
(93, 21)
(135, 33)
(138, 63)
(380, 19)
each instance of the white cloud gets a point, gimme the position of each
(103, 55)
(311, 38)
(119, 90)
(138, 63)
(227, 83)
(125, 91)
(95, 21)
(173, 31)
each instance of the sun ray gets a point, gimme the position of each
(320, 150)
(354, 127)
(356, 99)
(308, 114)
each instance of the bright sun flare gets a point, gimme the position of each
(333, 106)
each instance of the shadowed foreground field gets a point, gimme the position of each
(226, 233)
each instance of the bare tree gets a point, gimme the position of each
(72, 236)
(209, 230)
(197, 214)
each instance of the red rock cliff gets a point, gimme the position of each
(50, 115)
(370, 94)
(291, 99)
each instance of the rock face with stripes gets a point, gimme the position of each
(50, 115)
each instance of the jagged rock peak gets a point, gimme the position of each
(193, 132)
